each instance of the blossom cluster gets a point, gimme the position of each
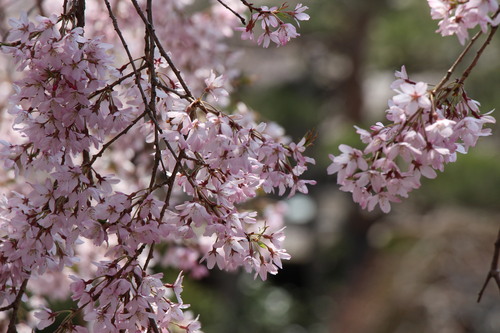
(274, 28)
(81, 118)
(228, 160)
(457, 17)
(427, 130)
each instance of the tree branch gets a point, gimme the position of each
(456, 63)
(462, 55)
(116, 137)
(494, 272)
(164, 53)
(466, 73)
(15, 307)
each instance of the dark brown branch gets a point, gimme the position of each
(148, 110)
(15, 308)
(168, 89)
(150, 256)
(79, 12)
(118, 273)
(251, 6)
(149, 54)
(494, 273)
(136, 74)
(170, 184)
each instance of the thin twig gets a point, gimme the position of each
(188, 95)
(168, 89)
(129, 55)
(494, 272)
(118, 273)
(136, 72)
(242, 19)
(456, 63)
(118, 81)
(164, 53)
(250, 6)
(466, 73)
(462, 55)
(116, 137)
(172, 66)
(149, 54)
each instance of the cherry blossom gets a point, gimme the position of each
(422, 138)
(274, 29)
(457, 17)
(123, 139)
(115, 155)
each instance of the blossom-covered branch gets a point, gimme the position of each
(427, 128)
(82, 118)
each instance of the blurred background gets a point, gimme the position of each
(417, 269)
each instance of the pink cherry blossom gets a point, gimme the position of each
(412, 97)
(116, 154)
(274, 28)
(419, 135)
(456, 18)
